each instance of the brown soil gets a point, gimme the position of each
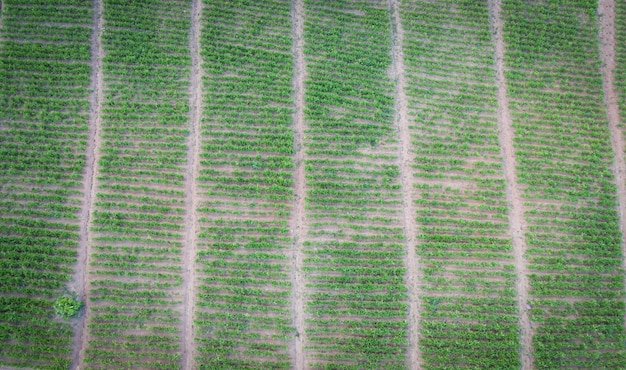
(191, 201)
(411, 261)
(516, 216)
(79, 281)
(606, 11)
(297, 221)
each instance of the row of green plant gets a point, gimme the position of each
(44, 69)
(243, 307)
(564, 160)
(357, 302)
(619, 73)
(135, 261)
(469, 310)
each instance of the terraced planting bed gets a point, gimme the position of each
(316, 184)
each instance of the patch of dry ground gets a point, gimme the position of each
(297, 221)
(606, 15)
(79, 281)
(191, 198)
(411, 262)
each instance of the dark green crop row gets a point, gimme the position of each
(356, 302)
(44, 74)
(137, 221)
(564, 168)
(243, 316)
(469, 316)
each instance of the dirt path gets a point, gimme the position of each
(1, 16)
(297, 222)
(517, 224)
(191, 196)
(79, 281)
(411, 261)
(606, 12)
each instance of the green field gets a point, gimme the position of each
(359, 184)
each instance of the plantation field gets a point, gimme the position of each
(312, 184)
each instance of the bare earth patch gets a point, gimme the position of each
(191, 197)
(517, 224)
(411, 262)
(79, 281)
(297, 221)
(606, 12)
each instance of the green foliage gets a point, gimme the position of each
(67, 306)
(564, 157)
(246, 177)
(44, 90)
(138, 220)
(469, 315)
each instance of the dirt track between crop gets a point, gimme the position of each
(411, 262)
(1, 13)
(80, 277)
(191, 216)
(297, 221)
(517, 225)
(606, 12)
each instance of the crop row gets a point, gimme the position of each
(563, 164)
(620, 59)
(245, 186)
(44, 69)
(356, 302)
(135, 263)
(469, 311)
(355, 293)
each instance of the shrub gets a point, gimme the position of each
(67, 306)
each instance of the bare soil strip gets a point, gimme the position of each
(191, 196)
(1, 14)
(517, 224)
(80, 278)
(297, 222)
(411, 261)
(606, 12)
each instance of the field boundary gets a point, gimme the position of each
(517, 224)
(80, 277)
(297, 220)
(193, 162)
(606, 30)
(409, 225)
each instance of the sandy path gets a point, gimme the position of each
(411, 261)
(606, 11)
(1, 16)
(517, 224)
(80, 277)
(191, 197)
(297, 222)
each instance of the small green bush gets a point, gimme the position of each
(67, 306)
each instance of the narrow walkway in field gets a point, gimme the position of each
(193, 162)
(606, 12)
(1, 14)
(411, 261)
(517, 223)
(297, 222)
(79, 279)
